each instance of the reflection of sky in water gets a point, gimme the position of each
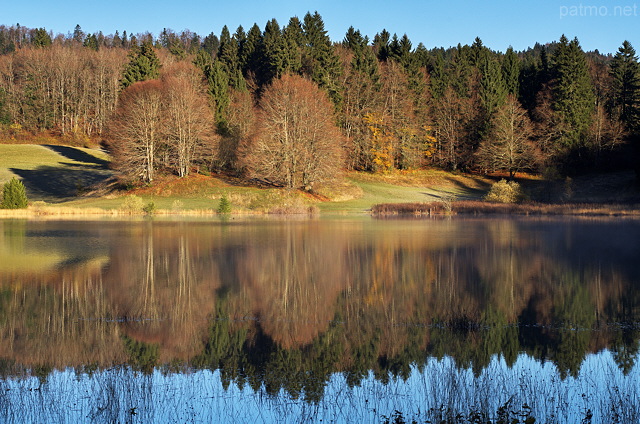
(119, 395)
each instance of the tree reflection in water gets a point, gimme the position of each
(341, 320)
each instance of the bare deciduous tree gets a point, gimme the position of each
(509, 148)
(299, 143)
(189, 130)
(135, 130)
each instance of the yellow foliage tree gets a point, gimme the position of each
(382, 151)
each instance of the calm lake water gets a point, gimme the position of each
(327, 320)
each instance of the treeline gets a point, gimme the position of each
(550, 108)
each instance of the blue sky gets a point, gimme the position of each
(598, 24)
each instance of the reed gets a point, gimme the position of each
(471, 207)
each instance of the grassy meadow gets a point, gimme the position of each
(64, 180)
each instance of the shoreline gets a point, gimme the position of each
(382, 210)
(470, 207)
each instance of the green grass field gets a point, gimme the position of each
(53, 173)
(60, 175)
(65, 176)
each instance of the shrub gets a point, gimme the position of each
(132, 204)
(505, 192)
(224, 206)
(149, 208)
(14, 195)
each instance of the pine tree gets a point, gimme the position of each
(14, 195)
(625, 74)
(573, 94)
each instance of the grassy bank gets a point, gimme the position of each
(74, 181)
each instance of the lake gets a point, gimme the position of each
(458, 320)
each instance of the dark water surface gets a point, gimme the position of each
(327, 320)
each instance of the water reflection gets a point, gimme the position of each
(432, 317)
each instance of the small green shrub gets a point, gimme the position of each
(505, 192)
(224, 206)
(149, 208)
(14, 195)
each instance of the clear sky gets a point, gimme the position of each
(598, 24)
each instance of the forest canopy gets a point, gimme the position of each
(552, 109)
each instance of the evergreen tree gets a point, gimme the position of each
(143, 65)
(573, 94)
(91, 42)
(116, 41)
(460, 72)
(478, 54)
(78, 34)
(320, 60)
(228, 55)
(241, 39)
(625, 74)
(352, 39)
(211, 44)
(364, 60)
(275, 63)
(41, 38)
(292, 41)
(493, 91)
(218, 81)
(251, 56)
(511, 72)
(14, 195)
(381, 45)
(439, 79)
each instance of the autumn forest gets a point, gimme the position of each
(287, 105)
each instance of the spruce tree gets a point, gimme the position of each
(493, 90)
(251, 56)
(211, 44)
(229, 57)
(41, 38)
(573, 94)
(381, 45)
(439, 79)
(275, 63)
(321, 61)
(625, 75)
(511, 71)
(14, 195)
(143, 65)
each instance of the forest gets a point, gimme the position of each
(289, 106)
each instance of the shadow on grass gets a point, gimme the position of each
(462, 191)
(78, 155)
(55, 184)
